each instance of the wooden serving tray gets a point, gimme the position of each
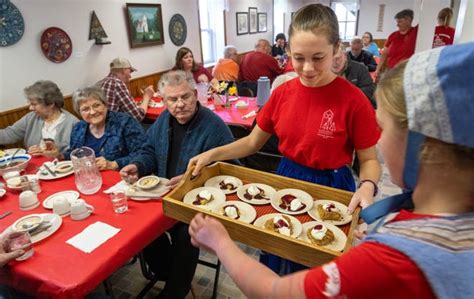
(293, 249)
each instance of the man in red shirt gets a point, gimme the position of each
(400, 45)
(259, 63)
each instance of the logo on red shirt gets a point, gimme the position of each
(328, 126)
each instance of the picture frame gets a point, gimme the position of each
(144, 24)
(253, 21)
(262, 22)
(242, 22)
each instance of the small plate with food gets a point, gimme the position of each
(206, 198)
(324, 234)
(19, 182)
(292, 201)
(148, 182)
(227, 184)
(55, 170)
(283, 224)
(236, 210)
(330, 211)
(27, 223)
(256, 194)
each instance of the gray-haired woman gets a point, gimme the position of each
(47, 122)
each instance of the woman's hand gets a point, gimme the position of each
(200, 161)
(129, 173)
(364, 196)
(104, 164)
(35, 150)
(208, 233)
(174, 181)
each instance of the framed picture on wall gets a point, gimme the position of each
(144, 24)
(242, 23)
(253, 20)
(262, 22)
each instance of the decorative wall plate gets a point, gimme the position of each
(12, 25)
(56, 44)
(177, 30)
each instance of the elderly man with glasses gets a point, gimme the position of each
(184, 130)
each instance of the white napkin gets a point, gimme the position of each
(250, 114)
(93, 236)
(120, 186)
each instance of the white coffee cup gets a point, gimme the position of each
(28, 200)
(61, 206)
(80, 210)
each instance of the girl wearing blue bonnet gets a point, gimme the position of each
(422, 245)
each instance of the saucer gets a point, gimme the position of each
(70, 195)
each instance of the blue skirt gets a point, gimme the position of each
(338, 178)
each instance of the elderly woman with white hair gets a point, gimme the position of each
(47, 123)
(114, 136)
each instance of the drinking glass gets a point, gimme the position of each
(20, 240)
(119, 201)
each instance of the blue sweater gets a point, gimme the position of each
(206, 131)
(123, 138)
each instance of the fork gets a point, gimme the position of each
(13, 156)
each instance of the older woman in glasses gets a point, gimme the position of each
(114, 136)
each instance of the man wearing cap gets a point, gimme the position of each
(400, 44)
(116, 91)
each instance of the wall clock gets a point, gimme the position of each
(12, 25)
(56, 44)
(177, 30)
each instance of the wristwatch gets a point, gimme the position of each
(376, 188)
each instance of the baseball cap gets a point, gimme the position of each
(121, 63)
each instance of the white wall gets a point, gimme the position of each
(23, 63)
(246, 42)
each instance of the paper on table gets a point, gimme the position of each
(93, 236)
(120, 186)
(250, 114)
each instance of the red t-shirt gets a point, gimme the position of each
(400, 46)
(319, 127)
(443, 36)
(256, 64)
(370, 270)
(202, 70)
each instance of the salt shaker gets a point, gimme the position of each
(35, 185)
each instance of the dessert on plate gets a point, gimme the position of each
(231, 211)
(329, 211)
(202, 198)
(229, 183)
(254, 192)
(280, 224)
(320, 235)
(291, 203)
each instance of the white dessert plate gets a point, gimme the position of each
(61, 169)
(70, 195)
(295, 223)
(158, 191)
(15, 183)
(247, 212)
(304, 198)
(346, 218)
(215, 182)
(27, 223)
(269, 192)
(340, 238)
(217, 194)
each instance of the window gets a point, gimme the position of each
(211, 17)
(347, 14)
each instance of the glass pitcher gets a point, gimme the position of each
(88, 178)
(202, 92)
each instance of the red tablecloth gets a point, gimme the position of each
(230, 115)
(61, 271)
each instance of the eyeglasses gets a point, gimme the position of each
(88, 109)
(185, 99)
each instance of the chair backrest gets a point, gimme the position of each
(252, 85)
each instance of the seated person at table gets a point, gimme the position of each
(47, 123)
(279, 48)
(369, 45)
(185, 61)
(227, 68)
(115, 137)
(259, 63)
(354, 72)
(423, 252)
(358, 54)
(118, 96)
(183, 130)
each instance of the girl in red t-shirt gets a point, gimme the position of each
(424, 253)
(444, 34)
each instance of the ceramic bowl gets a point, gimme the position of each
(19, 163)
